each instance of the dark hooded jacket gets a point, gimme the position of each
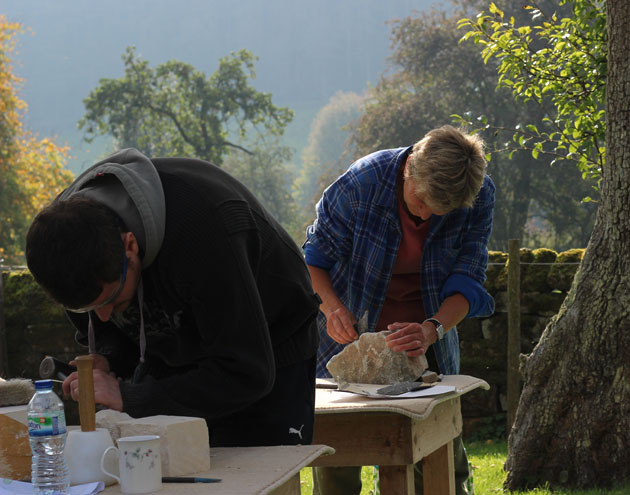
(233, 293)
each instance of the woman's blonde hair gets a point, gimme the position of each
(447, 167)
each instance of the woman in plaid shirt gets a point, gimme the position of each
(403, 234)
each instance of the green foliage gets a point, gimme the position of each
(26, 302)
(264, 171)
(562, 272)
(495, 273)
(559, 63)
(433, 77)
(31, 169)
(490, 428)
(327, 154)
(176, 109)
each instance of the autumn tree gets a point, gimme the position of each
(176, 110)
(31, 169)
(572, 427)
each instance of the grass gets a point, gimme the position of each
(487, 459)
(367, 477)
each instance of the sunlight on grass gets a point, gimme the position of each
(367, 477)
(487, 459)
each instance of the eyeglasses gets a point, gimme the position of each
(111, 298)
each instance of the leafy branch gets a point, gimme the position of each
(556, 62)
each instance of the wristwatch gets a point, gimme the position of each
(439, 329)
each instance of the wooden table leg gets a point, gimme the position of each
(291, 487)
(396, 480)
(438, 471)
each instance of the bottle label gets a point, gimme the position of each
(45, 425)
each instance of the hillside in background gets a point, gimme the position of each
(307, 51)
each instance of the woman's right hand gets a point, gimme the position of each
(340, 325)
(339, 321)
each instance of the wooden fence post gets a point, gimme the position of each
(514, 331)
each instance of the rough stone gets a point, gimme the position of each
(369, 360)
(110, 419)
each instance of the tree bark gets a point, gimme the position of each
(572, 426)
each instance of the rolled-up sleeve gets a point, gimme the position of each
(469, 271)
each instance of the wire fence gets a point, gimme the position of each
(536, 263)
(9, 268)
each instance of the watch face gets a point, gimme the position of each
(439, 329)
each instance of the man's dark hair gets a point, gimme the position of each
(73, 247)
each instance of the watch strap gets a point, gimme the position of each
(439, 329)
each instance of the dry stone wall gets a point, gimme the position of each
(546, 277)
(36, 326)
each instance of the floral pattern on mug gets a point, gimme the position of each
(140, 456)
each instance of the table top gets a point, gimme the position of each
(246, 470)
(328, 401)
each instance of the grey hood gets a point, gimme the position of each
(128, 183)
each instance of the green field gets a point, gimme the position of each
(487, 459)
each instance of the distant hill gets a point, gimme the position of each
(308, 50)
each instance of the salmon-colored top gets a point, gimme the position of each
(403, 302)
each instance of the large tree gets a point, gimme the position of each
(572, 427)
(176, 109)
(31, 169)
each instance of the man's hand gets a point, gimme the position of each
(412, 338)
(98, 363)
(106, 389)
(106, 386)
(339, 325)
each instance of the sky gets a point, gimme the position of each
(307, 51)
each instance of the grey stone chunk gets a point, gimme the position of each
(369, 360)
(110, 419)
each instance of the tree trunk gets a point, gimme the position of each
(572, 427)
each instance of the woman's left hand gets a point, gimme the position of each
(411, 338)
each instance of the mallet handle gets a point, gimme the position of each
(87, 412)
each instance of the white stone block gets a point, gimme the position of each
(184, 441)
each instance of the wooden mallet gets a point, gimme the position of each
(87, 410)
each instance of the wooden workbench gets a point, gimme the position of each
(394, 434)
(249, 471)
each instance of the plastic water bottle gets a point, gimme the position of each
(47, 436)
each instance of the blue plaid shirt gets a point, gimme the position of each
(356, 237)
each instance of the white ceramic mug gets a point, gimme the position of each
(84, 450)
(139, 464)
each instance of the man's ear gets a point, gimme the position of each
(130, 242)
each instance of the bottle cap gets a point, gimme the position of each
(43, 384)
